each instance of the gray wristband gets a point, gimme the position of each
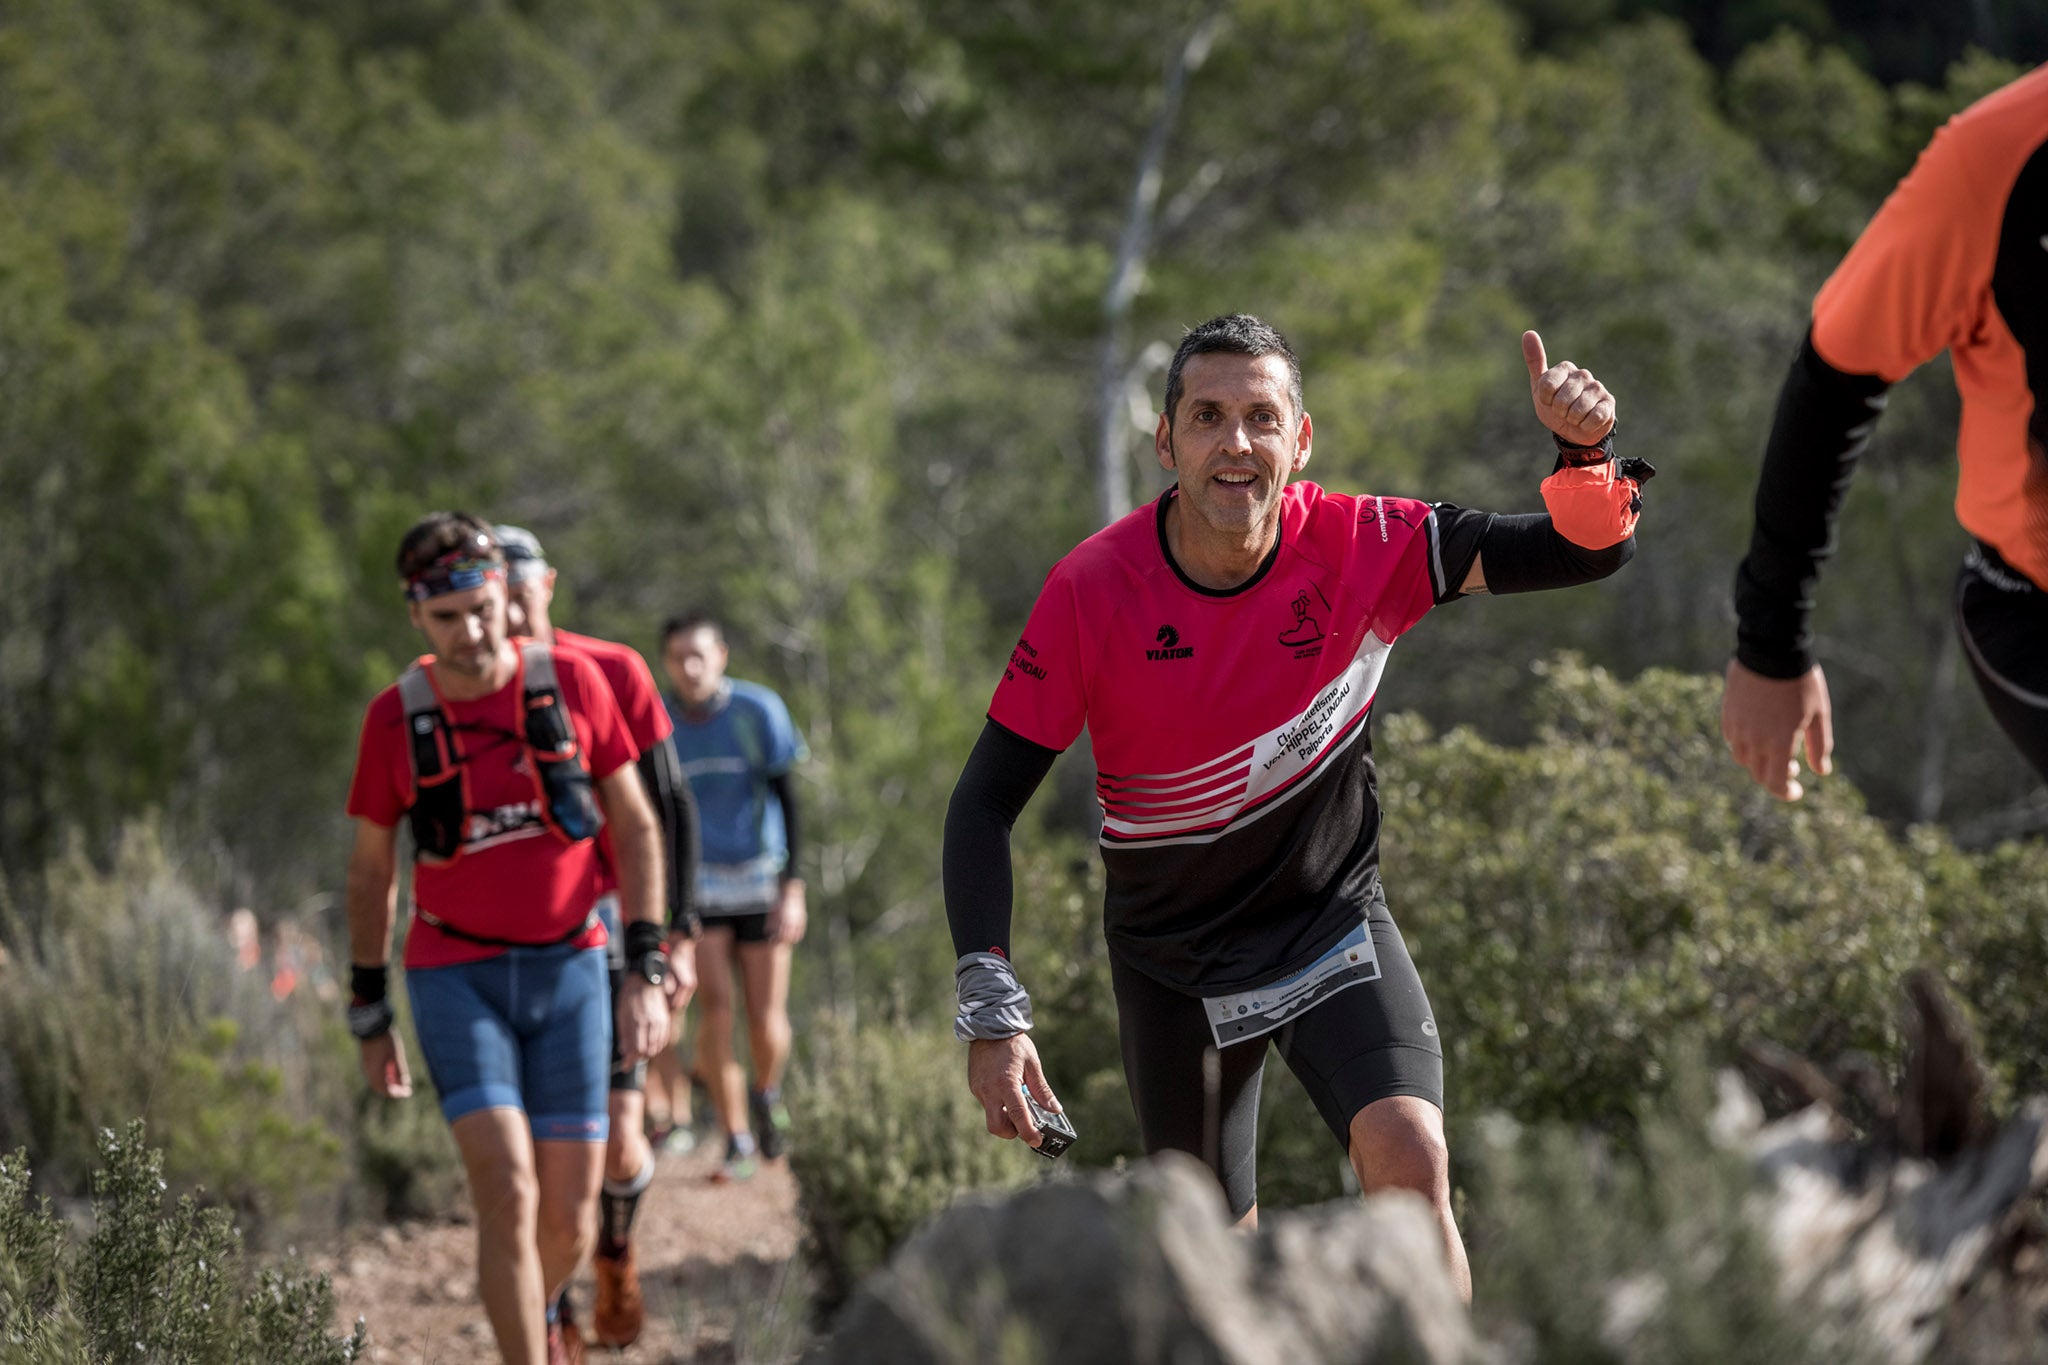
(992, 1004)
(372, 1020)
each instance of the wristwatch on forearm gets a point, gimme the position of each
(647, 951)
(369, 1011)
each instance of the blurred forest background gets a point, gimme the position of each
(824, 316)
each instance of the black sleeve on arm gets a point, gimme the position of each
(784, 789)
(677, 809)
(1524, 553)
(1823, 423)
(1001, 774)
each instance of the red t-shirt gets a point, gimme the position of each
(1240, 819)
(514, 878)
(647, 722)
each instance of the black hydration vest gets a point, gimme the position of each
(440, 807)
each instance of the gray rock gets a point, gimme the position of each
(1902, 1243)
(1144, 1268)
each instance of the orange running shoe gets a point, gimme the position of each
(620, 1312)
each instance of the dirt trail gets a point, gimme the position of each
(716, 1262)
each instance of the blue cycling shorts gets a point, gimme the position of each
(529, 1029)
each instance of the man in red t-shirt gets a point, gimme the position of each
(619, 1312)
(504, 758)
(1222, 647)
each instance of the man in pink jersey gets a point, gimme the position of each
(505, 757)
(1223, 647)
(620, 1312)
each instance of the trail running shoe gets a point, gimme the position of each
(741, 1160)
(771, 1121)
(565, 1344)
(620, 1312)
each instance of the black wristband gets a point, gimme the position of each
(644, 936)
(1580, 456)
(368, 985)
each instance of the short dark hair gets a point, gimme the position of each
(684, 622)
(1235, 334)
(436, 533)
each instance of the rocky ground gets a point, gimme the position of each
(717, 1261)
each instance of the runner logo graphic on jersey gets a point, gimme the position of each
(1170, 646)
(1305, 635)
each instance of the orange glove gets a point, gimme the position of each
(1593, 506)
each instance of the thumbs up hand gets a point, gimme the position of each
(1569, 400)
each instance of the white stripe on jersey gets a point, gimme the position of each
(1281, 761)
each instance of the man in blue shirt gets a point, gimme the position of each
(738, 748)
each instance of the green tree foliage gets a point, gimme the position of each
(792, 311)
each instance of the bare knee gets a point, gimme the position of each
(568, 1222)
(1398, 1144)
(714, 1023)
(506, 1196)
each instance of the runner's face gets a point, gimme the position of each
(1235, 441)
(695, 662)
(526, 607)
(466, 629)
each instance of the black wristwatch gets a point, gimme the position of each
(652, 967)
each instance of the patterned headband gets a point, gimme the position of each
(459, 570)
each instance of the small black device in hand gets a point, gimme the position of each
(1055, 1133)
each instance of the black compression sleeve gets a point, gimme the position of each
(784, 789)
(1001, 774)
(1824, 421)
(677, 808)
(1524, 553)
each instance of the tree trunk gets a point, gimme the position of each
(1112, 475)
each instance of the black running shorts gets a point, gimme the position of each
(747, 927)
(1365, 1043)
(2003, 620)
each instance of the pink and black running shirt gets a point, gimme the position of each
(1240, 813)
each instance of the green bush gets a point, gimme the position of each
(1991, 922)
(884, 1135)
(121, 999)
(151, 1283)
(1577, 905)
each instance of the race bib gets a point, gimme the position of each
(1255, 1013)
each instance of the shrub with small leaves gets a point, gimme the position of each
(884, 1135)
(152, 1283)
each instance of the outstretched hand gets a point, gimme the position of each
(1569, 400)
(1766, 722)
